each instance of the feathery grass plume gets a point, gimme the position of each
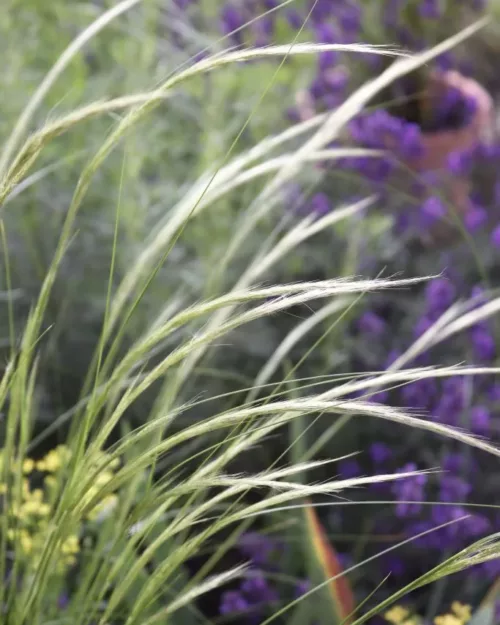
(97, 506)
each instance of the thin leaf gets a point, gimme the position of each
(337, 596)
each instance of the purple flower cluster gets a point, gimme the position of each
(257, 595)
(399, 140)
(427, 501)
(253, 595)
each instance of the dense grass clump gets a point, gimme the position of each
(177, 352)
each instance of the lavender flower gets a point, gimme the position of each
(439, 295)
(232, 20)
(495, 237)
(409, 489)
(371, 323)
(453, 488)
(420, 394)
(233, 602)
(349, 468)
(460, 162)
(451, 402)
(257, 547)
(429, 9)
(257, 590)
(480, 418)
(475, 218)
(483, 344)
(432, 211)
(320, 204)
(294, 18)
(301, 588)
(379, 453)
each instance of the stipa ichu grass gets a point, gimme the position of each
(83, 532)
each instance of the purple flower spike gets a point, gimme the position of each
(429, 9)
(301, 588)
(477, 525)
(379, 398)
(452, 401)
(63, 601)
(336, 79)
(350, 18)
(453, 462)
(327, 59)
(475, 218)
(231, 20)
(460, 162)
(294, 18)
(477, 292)
(445, 61)
(394, 565)
(439, 294)
(453, 488)
(410, 489)
(371, 323)
(422, 326)
(494, 393)
(349, 468)
(317, 88)
(411, 142)
(391, 12)
(233, 602)
(483, 344)
(325, 33)
(263, 30)
(380, 453)
(480, 418)
(432, 211)
(320, 204)
(257, 590)
(420, 394)
(257, 547)
(495, 237)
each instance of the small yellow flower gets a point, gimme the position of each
(53, 461)
(26, 488)
(71, 545)
(396, 615)
(50, 481)
(447, 619)
(26, 541)
(28, 465)
(413, 620)
(462, 611)
(36, 495)
(34, 508)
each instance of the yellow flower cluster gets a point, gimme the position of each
(398, 615)
(460, 614)
(31, 517)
